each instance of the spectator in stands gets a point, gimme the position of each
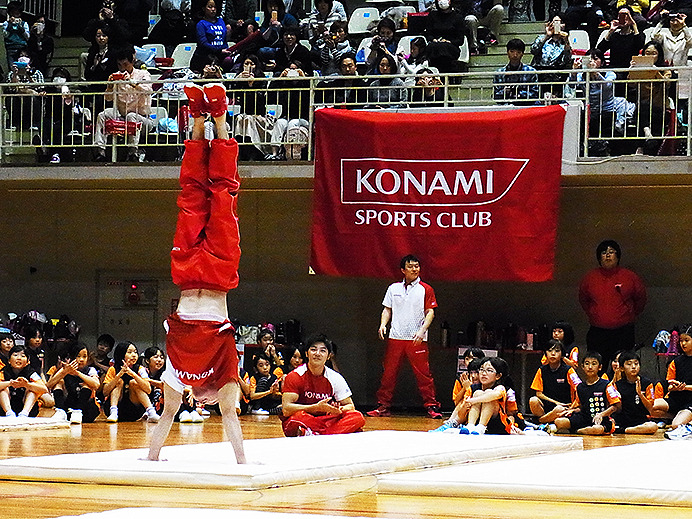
(118, 29)
(211, 39)
(637, 9)
(131, 97)
(251, 125)
(383, 43)
(136, 14)
(41, 45)
(428, 91)
(290, 50)
(518, 89)
(65, 119)
(488, 13)
(675, 37)
(416, 61)
(608, 114)
(16, 31)
(551, 51)
(275, 18)
(624, 40)
(591, 13)
(328, 48)
(325, 13)
(174, 27)
(445, 33)
(345, 88)
(27, 110)
(236, 13)
(100, 62)
(387, 92)
(292, 128)
(650, 94)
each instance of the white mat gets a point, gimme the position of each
(197, 513)
(302, 460)
(29, 424)
(648, 473)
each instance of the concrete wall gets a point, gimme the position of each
(69, 230)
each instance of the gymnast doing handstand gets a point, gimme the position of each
(200, 341)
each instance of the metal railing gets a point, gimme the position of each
(273, 117)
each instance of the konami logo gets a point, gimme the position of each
(428, 182)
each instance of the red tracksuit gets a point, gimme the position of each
(206, 253)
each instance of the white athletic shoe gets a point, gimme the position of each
(260, 412)
(681, 432)
(113, 417)
(185, 417)
(153, 417)
(60, 415)
(196, 417)
(76, 416)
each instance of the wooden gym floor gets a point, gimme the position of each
(352, 497)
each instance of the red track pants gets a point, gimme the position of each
(347, 422)
(417, 355)
(206, 246)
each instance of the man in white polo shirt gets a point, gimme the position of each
(410, 305)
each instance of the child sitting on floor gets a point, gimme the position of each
(597, 399)
(73, 383)
(265, 390)
(555, 385)
(487, 405)
(126, 387)
(637, 396)
(154, 363)
(562, 331)
(459, 415)
(6, 344)
(678, 402)
(20, 385)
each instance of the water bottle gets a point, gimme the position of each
(445, 338)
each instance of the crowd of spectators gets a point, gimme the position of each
(268, 51)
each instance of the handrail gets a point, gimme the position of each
(37, 121)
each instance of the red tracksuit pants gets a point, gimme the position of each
(347, 422)
(417, 355)
(206, 246)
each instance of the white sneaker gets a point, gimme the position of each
(205, 412)
(185, 417)
(76, 416)
(681, 432)
(153, 417)
(196, 417)
(261, 412)
(10, 414)
(60, 415)
(113, 417)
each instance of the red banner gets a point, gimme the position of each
(473, 195)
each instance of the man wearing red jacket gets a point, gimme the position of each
(612, 297)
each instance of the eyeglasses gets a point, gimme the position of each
(608, 251)
(487, 371)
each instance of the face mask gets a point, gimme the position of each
(40, 27)
(59, 79)
(24, 59)
(443, 4)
